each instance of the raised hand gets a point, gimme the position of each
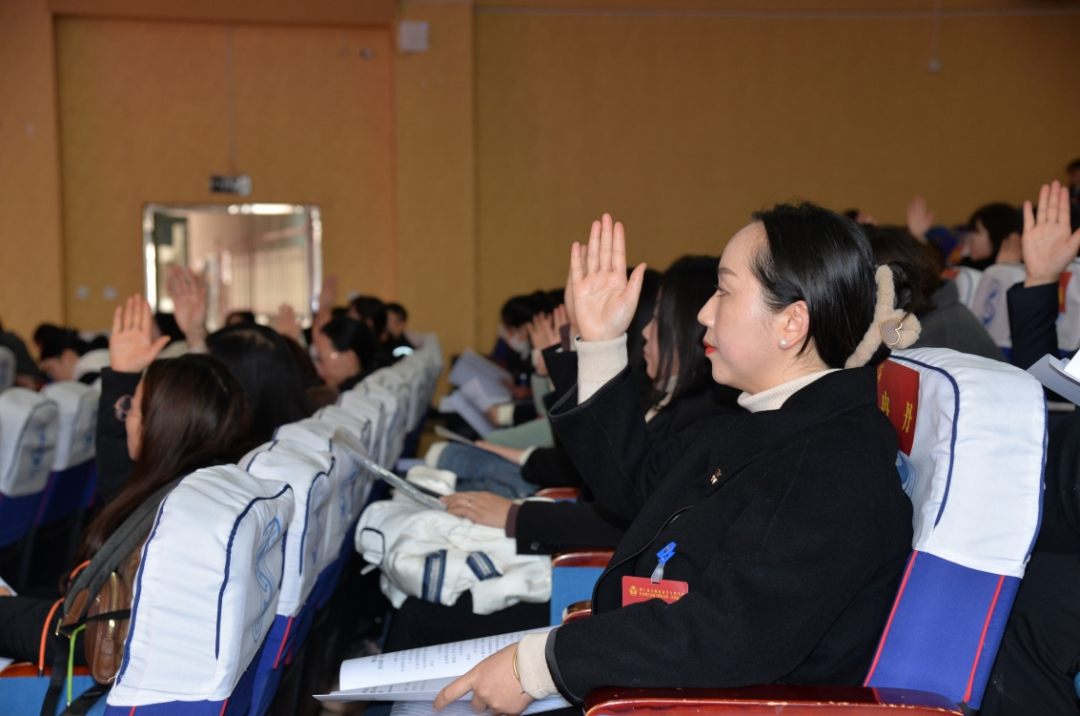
(1049, 245)
(327, 298)
(542, 331)
(286, 323)
(1011, 251)
(131, 346)
(568, 303)
(604, 299)
(919, 218)
(188, 293)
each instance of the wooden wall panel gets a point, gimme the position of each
(145, 117)
(681, 125)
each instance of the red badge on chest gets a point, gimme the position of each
(642, 589)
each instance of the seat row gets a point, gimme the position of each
(242, 557)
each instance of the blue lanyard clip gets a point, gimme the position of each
(663, 556)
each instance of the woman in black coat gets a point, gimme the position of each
(788, 524)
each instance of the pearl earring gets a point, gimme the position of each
(783, 342)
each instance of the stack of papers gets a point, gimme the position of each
(418, 675)
(481, 385)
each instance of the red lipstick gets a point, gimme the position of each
(709, 350)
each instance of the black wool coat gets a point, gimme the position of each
(791, 528)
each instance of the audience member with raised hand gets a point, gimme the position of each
(1039, 656)
(182, 414)
(188, 292)
(132, 349)
(807, 476)
(287, 324)
(992, 229)
(919, 218)
(1049, 246)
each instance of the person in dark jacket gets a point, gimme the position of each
(1039, 656)
(184, 414)
(787, 524)
(684, 394)
(946, 323)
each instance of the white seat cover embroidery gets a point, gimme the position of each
(78, 405)
(29, 426)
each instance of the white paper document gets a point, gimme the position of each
(457, 403)
(419, 674)
(463, 708)
(471, 364)
(1054, 374)
(482, 397)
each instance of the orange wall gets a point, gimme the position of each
(436, 177)
(31, 279)
(144, 109)
(682, 123)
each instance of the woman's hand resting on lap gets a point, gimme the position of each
(493, 685)
(131, 347)
(604, 300)
(483, 508)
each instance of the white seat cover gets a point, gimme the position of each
(7, 368)
(78, 405)
(307, 470)
(393, 435)
(1068, 325)
(359, 425)
(365, 408)
(29, 425)
(349, 485)
(967, 282)
(396, 380)
(207, 589)
(990, 303)
(953, 452)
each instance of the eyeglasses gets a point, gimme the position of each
(122, 408)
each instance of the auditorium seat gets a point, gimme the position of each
(73, 468)
(29, 427)
(307, 471)
(7, 368)
(394, 431)
(205, 596)
(990, 304)
(359, 405)
(967, 282)
(972, 449)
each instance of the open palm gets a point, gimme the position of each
(604, 299)
(1048, 242)
(188, 293)
(131, 345)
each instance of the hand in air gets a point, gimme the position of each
(919, 218)
(604, 300)
(568, 303)
(188, 293)
(1049, 245)
(493, 685)
(542, 331)
(286, 323)
(1011, 251)
(483, 508)
(131, 346)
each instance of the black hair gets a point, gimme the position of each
(684, 288)
(339, 312)
(815, 255)
(635, 342)
(372, 310)
(53, 340)
(895, 245)
(166, 323)
(398, 309)
(556, 297)
(348, 334)
(266, 369)
(999, 219)
(243, 316)
(1073, 166)
(518, 311)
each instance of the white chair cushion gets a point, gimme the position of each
(967, 282)
(307, 470)
(359, 425)
(977, 489)
(29, 426)
(78, 404)
(207, 589)
(393, 434)
(371, 411)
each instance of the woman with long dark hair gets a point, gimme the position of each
(347, 350)
(784, 528)
(183, 414)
